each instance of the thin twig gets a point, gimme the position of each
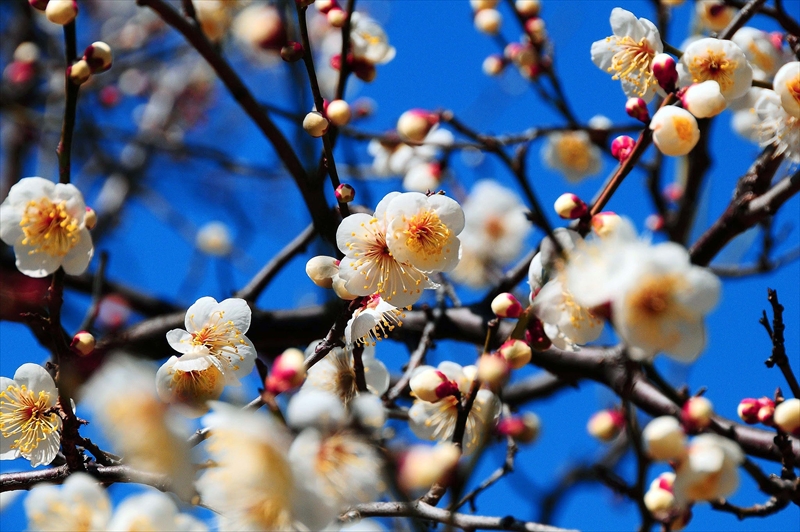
(778, 356)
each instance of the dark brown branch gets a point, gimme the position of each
(741, 18)
(775, 332)
(771, 507)
(107, 475)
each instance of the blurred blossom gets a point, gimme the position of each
(566, 323)
(152, 510)
(714, 15)
(80, 503)
(214, 238)
(787, 86)
(394, 157)
(368, 40)
(710, 470)
(777, 127)
(759, 50)
(745, 121)
(573, 154)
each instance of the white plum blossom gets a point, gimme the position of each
(80, 503)
(718, 60)
(573, 154)
(628, 53)
(437, 421)
(714, 14)
(759, 49)
(152, 510)
(30, 426)
(394, 157)
(44, 222)
(372, 321)
(745, 121)
(709, 471)
(368, 40)
(215, 352)
(423, 177)
(658, 298)
(336, 372)
(675, 131)
(566, 323)
(704, 99)
(777, 127)
(787, 85)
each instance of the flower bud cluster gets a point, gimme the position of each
(96, 58)
(753, 411)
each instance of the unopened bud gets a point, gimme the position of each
(292, 51)
(696, 413)
(345, 193)
(524, 428)
(321, 270)
(90, 218)
(664, 439)
(521, 55)
(748, 409)
(26, 52)
(704, 100)
(637, 108)
(214, 238)
(606, 425)
(415, 124)
(288, 372)
(337, 17)
(431, 385)
(665, 72)
(570, 207)
(516, 352)
(493, 65)
(493, 370)
(477, 5)
(488, 21)
(536, 29)
(621, 147)
(787, 416)
(528, 8)
(338, 112)
(99, 56)
(79, 72)
(505, 305)
(38, 4)
(659, 499)
(654, 222)
(606, 222)
(83, 343)
(423, 465)
(766, 413)
(675, 131)
(315, 124)
(61, 12)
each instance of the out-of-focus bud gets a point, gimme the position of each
(604, 223)
(748, 409)
(477, 5)
(521, 55)
(696, 413)
(323, 6)
(665, 72)
(673, 191)
(528, 8)
(315, 124)
(415, 124)
(27, 52)
(214, 238)
(606, 425)
(621, 147)
(493, 369)
(766, 413)
(83, 343)
(288, 372)
(90, 218)
(423, 465)
(505, 305)
(516, 352)
(704, 100)
(432, 385)
(321, 270)
(654, 222)
(61, 12)
(345, 193)
(675, 131)
(570, 207)
(537, 30)
(338, 112)
(488, 21)
(337, 17)
(99, 56)
(38, 4)
(664, 439)
(79, 72)
(524, 428)
(787, 416)
(659, 499)
(493, 65)
(292, 51)
(637, 108)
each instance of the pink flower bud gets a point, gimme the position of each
(414, 125)
(61, 12)
(696, 413)
(493, 370)
(432, 385)
(18, 72)
(345, 193)
(521, 55)
(621, 147)
(787, 416)
(315, 124)
(665, 72)
(604, 223)
(766, 413)
(637, 108)
(99, 57)
(338, 112)
(83, 343)
(516, 352)
(654, 222)
(336, 17)
(493, 65)
(292, 51)
(748, 410)
(488, 21)
(660, 499)
(673, 191)
(288, 372)
(79, 72)
(570, 207)
(524, 428)
(505, 305)
(90, 218)
(606, 425)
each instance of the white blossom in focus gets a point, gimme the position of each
(787, 85)
(777, 127)
(675, 131)
(80, 503)
(628, 54)
(573, 154)
(368, 40)
(719, 60)
(44, 222)
(372, 321)
(710, 470)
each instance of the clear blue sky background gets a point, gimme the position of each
(438, 65)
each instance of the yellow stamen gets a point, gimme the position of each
(713, 66)
(49, 228)
(632, 63)
(28, 415)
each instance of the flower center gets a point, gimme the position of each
(218, 336)
(713, 66)
(632, 63)
(577, 314)
(49, 228)
(426, 234)
(793, 85)
(573, 152)
(59, 515)
(495, 227)
(28, 415)
(197, 385)
(683, 128)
